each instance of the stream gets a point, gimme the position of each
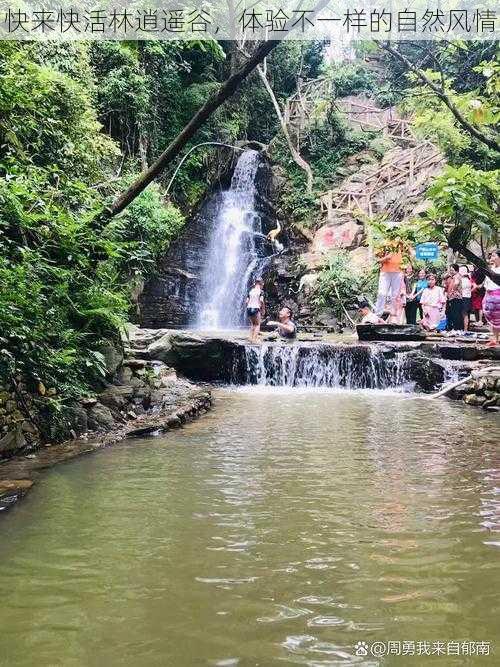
(280, 529)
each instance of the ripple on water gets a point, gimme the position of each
(281, 529)
(284, 613)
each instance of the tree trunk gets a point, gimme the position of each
(463, 122)
(227, 89)
(477, 261)
(299, 160)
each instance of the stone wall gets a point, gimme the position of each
(17, 430)
(137, 389)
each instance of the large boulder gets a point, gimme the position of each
(161, 349)
(116, 397)
(396, 332)
(12, 441)
(337, 236)
(100, 418)
(207, 358)
(426, 373)
(113, 358)
(78, 419)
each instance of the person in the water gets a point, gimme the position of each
(285, 325)
(255, 308)
(368, 316)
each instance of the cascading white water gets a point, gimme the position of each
(316, 366)
(233, 255)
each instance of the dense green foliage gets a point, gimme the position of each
(79, 121)
(465, 206)
(65, 279)
(469, 74)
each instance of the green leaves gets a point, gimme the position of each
(465, 204)
(65, 283)
(339, 280)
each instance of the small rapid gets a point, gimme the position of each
(349, 367)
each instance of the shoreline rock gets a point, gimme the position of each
(19, 473)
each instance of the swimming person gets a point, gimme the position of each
(255, 308)
(285, 325)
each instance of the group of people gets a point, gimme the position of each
(256, 310)
(404, 295)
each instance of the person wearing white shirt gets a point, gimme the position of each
(255, 308)
(369, 317)
(491, 302)
(466, 295)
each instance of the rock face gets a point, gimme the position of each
(199, 357)
(343, 235)
(169, 298)
(395, 332)
(137, 388)
(426, 373)
(482, 391)
(231, 360)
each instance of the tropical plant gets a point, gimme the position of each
(464, 208)
(339, 287)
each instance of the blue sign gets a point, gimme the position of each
(427, 251)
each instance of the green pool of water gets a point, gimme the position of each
(281, 529)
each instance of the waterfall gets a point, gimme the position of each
(235, 253)
(324, 366)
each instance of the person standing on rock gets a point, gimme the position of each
(491, 302)
(477, 292)
(411, 304)
(255, 308)
(390, 281)
(466, 295)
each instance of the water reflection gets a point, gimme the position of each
(281, 529)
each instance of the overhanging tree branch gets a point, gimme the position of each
(477, 261)
(227, 89)
(462, 121)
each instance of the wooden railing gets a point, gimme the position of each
(300, 107)
(402, 169)
(369, 117)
